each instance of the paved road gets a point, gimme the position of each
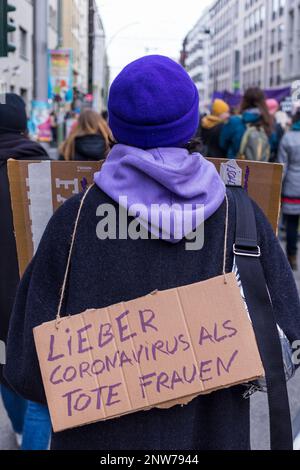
(7, 439)
(259, 412)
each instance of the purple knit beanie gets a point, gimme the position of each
(153, 103)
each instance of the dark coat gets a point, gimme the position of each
(20, 148)
(108, 271)
(211, 141)
(90, 147)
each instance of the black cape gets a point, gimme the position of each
(18, 147)
(106, 272)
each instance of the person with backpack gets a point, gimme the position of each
(247, 136)
(289, 155)
(211, 127)
(30, 421)
(149, 164)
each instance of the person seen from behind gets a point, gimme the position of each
(30, 421)
(211, 127)
(247, 136)
(289, 155)
(149, 165)
(89, 140)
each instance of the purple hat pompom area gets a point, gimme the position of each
(153, 103)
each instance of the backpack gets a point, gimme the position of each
(255, 145)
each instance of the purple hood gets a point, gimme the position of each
(187, 183)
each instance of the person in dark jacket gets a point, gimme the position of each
(149, 165)
(15, 144)
(253, 112)
(211, 127)
(289, 155)
(89, 140)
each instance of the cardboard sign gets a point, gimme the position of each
(156, 351)
(39, 188)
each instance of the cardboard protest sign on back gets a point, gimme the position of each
(39, 188)
(155, 351)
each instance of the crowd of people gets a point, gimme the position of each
(169, 121)
(259, 131)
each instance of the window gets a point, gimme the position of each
(23, 43)
(271, 73)
(12, 36)
(275, 8)
(281, 7)
(24, 94)
(278, 72)
(280, 31)
(260, 47)
(257, 19)
(272, 47)
(52, 18)
(262, 12)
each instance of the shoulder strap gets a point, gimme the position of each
(245, 141)
(247, 253)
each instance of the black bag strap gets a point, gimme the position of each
(247, 253)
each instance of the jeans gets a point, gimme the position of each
(29, 419)
(292, 222)
(15, 407)
(37, 427)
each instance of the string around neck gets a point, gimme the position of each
(63, 288)
(225, 238)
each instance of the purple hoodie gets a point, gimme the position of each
(187, 184)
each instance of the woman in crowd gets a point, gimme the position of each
(211, 127)
(153, 113)
(289, 155)
(253, 114)
(89, 140)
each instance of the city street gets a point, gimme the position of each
(259, 412)
(122, 122)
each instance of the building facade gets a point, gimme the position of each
(225, 36)
(75, 36)
(263, 47)
(195, 57)
(291, 43)
(16, 70)
(52, 24)
(251, 43)
(100, 61)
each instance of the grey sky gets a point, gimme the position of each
(150, 27)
